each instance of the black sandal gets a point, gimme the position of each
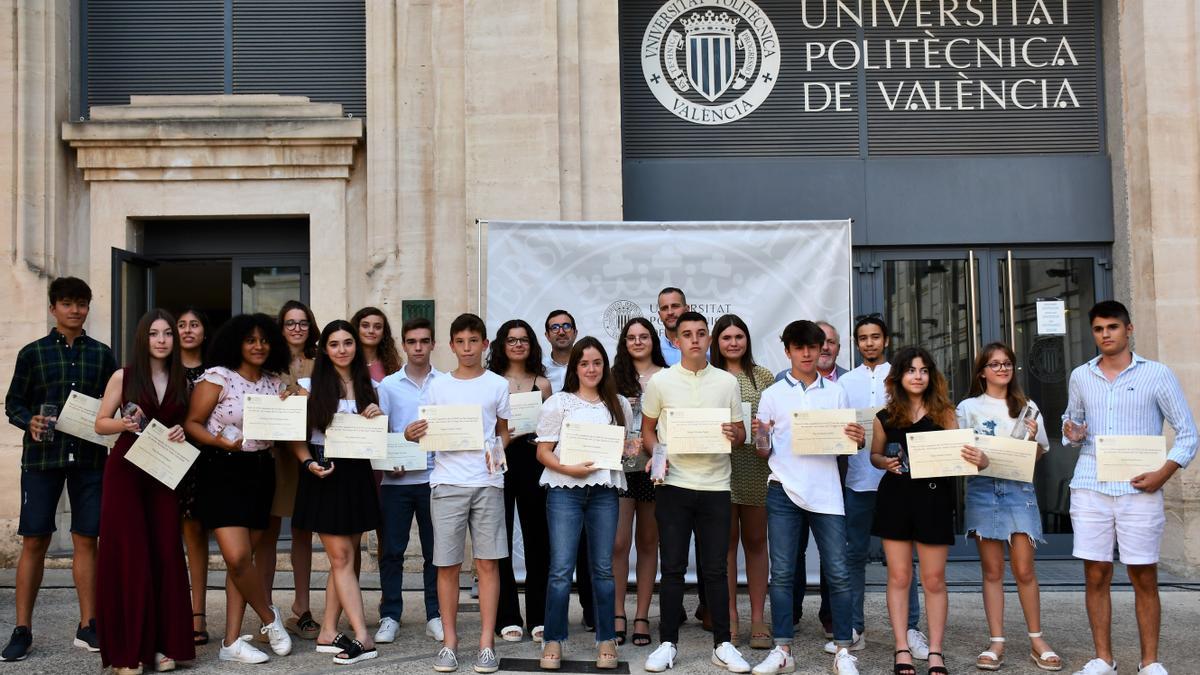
(620, 633)
(353, 653)
(641, 639)
(903, 668)
(938, 670)
(200, 637)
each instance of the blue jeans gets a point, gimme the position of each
(860, 512)
(785, 522)
(398, 504)
(569, 511)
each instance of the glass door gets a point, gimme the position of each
(264, 284)
(132, 296)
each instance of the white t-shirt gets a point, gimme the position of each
(812, 482)
(469, 467)
(555, 372)
(864, 388)
(563, 406)
(989, 417)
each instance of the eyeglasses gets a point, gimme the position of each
(564, 327)
(637, 338)
(514, 341)
(997, 366)
(292, 324)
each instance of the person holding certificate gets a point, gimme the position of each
(1120, 393)
(336, 498)
(639, 357)
(1001, 511)
(911, 512)
(237, 475)
(804, 492)
(142, 606)
(695, 495)
(517, 357)
(581, 497)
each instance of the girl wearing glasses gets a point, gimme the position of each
(517, 356)
(1003, 511)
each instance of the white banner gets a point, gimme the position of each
(768, 273)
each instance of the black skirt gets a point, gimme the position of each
(641, 488)
(344, 502)
(235, 489)
(915, 509)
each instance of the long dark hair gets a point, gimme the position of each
(326, 389)
(497, 361)
(386, 350)
(310, 344)
(1014, 396)
(624, 371)
(936, 396)
(606, 387)
(139, 382)
(723, 323)
(225, 350)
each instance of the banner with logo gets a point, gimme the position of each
(604, 273)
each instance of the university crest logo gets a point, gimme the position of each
(710, 61)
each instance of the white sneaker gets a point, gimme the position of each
(1099, 667)
(242, 651)
(387, 630)
(728, 657)
(1152, 669)
(918, 644)
(858, 644)
(433, 629)
(277, 635)
(777, 661)
(844, 664)
(661, 658)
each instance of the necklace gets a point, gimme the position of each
(588, 400)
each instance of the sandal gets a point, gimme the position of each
(621, 633)
(938, 670)
(990, 660)
(537, 634)
(551, 656)
(1048, 659)
(340, 644)
(606, 655)
(760, 636)
(903, 668)
(512, 633)
(640, 639)
(200, 637)
(303, 626)
(163, 663)
(353, 653)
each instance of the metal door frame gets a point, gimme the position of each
(120, 257)
(240, 262)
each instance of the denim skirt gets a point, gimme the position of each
(998, 509)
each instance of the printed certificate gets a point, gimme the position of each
(270, 418)
(401, 454)
(696, 431)
(165, 460)
(600, 444)
(78, 418)
(1122, 458)
(822, 432)
(1008, 458)
(866, 417)
(352, 436)
(525, 408)
(452, 427)
(935, 454)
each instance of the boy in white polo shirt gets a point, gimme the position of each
(467, 492)
(804, 492)
(695, 496)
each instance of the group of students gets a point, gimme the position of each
(576, 520)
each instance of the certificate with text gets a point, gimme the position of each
(352, 436)
(452, 427)
(1123, 458)
(937, 454)
(822, 432)
(402, 454)
(165, 460)
(1008, 458)
(78, 418)
(525, 407)
(696, 431)
(270, 418)
(866, 417)
(600, 444)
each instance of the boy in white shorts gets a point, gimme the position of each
(467, 491)
(1122, 394)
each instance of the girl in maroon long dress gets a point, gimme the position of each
(143, 611)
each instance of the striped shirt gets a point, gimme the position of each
(1135, 403)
